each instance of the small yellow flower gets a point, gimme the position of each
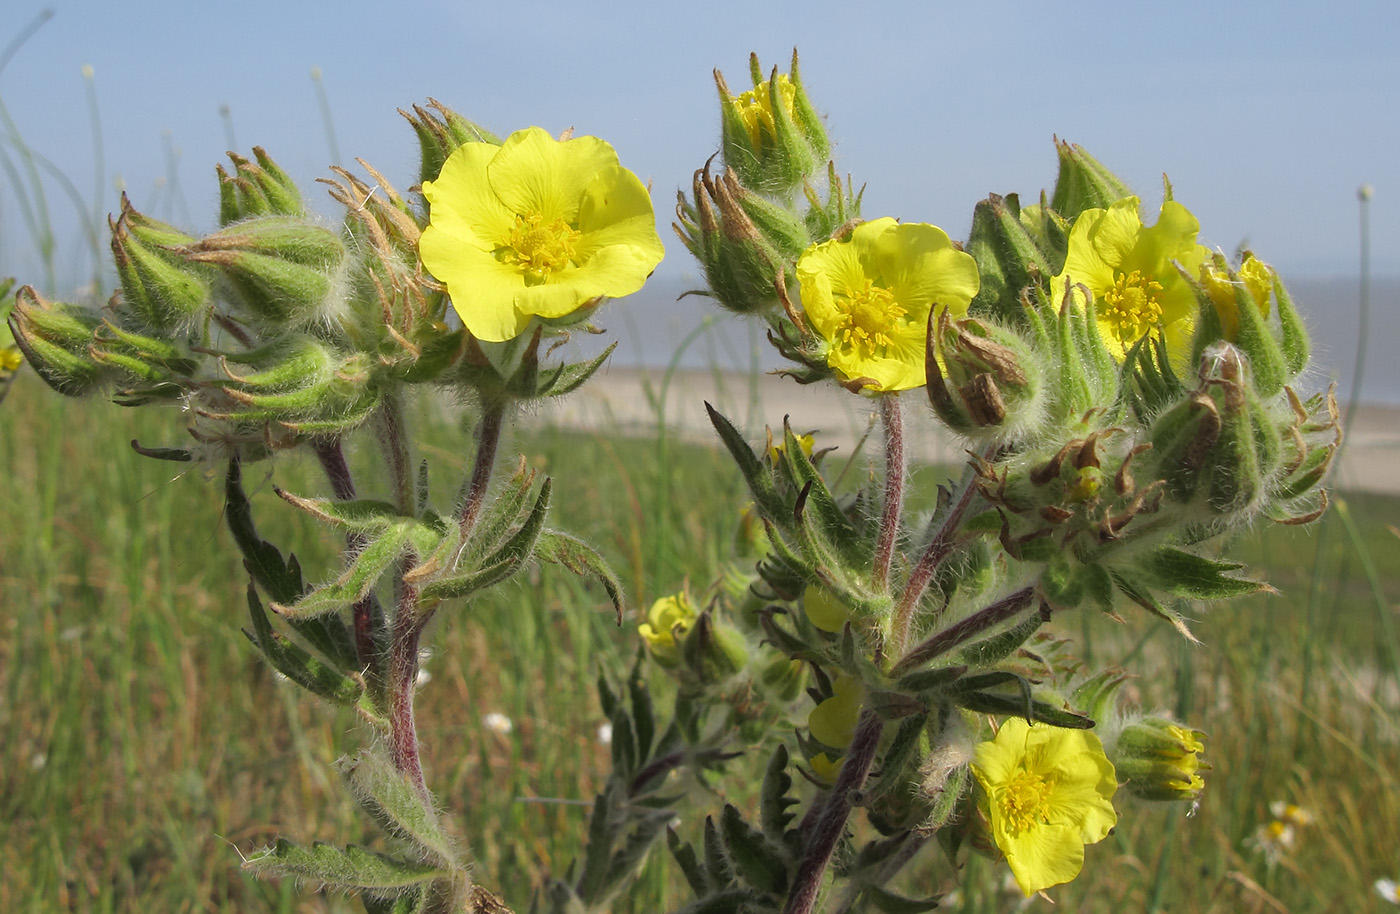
(1257, 278)
(824, 609)
(10, 360)
(869, 296)
(1131, 270)
(1047, 792)
(536, 228)
(668, 620)
(833, 722)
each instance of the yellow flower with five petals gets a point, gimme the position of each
(1131, 271)
(1047, 792)
(869, 296)
(536, 228)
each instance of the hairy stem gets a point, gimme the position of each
(488, 437)
(893, 420)
(959, 632)
(831, 822)
(331, 455)
(938, 549)
(403, 679)
(394, 443)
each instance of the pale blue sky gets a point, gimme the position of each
(1267, 116)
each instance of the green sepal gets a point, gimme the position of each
(1293, 337)
(1137, 591)
(1084, 183)
(1267, 366)
(396, 806)
(758, 861)
(282, 237)
(351, 867)
(582, 559)
(1008, 258)
(1184, 574)
(890, 903)
(160, 294)
(294, 363)
(149, 349)
(568, 377)
(272, 289)
(296, 663)
(436, 354)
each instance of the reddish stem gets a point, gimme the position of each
(893, 421)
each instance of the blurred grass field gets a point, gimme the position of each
(143, 745)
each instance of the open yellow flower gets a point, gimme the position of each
(1131, 270)
(536, 228)
(1047, 792)
(869, 296)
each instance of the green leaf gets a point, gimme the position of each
(468, 583)
(295, 662)
(373, 559)
(522, 543)
(580, 558)
(717, 866)
(760, 863)
(770, 504)
(570, 376)
(731, 901)
(349, 868)
(500, 514)
(773, 801)
(684, 855)
(365, 516)
(398, 808)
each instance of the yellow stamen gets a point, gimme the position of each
(1130, 308)
(870, 319)
(538, 248)
(1026, 800)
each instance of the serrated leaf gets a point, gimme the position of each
(773, 801)
(295, 662)
(761, 864)
(350, 868)
(684, 855)
(717, 867)
(602, 832)
(580, 558)
(501, 514)
(1005, 705)
(928, 680)
(397, 807)
(373, 559)
(628, 860)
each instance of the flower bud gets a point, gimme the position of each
(1235, 308)
(1083, 183)
(256, 189)
(714, 651)
(1157, 759)
(1009, 258)
(746, 245)
(783, 677)
(160, 293)
(440, 131)
(55, 339)
(336, 401)
(771, 135)
(984, 381)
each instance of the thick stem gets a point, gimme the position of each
(332, 457)
(893, 420)
(394, 443)
(403, 679)
(938, 549)
(831, 822)
(488, 438)
(959, 632)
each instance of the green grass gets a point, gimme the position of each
(143, 741)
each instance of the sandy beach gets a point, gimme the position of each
(630, 400)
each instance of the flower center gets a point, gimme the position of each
(538, 248)
(870, 319)
(1025, 800)
(1131, 307)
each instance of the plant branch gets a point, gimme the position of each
(1006, 608)
(395, 446)
(488, 439)
(403, 679)
(831, 823)
(331, 455)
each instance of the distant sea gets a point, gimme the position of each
(651, 327)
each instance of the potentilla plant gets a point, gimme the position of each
(1128, 398)
(281, 331)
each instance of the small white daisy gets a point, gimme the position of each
(497, 722)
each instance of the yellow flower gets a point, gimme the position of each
(833, 722)
(668, 620)
(1047, 792)
(1131, 270)
(536, 228)
(10, 360)
(1257, 278)
(824, 609)
(869, 296)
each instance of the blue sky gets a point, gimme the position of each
(1266, 116)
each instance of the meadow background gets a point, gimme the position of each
(143, 745)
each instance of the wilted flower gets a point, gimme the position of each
(1131, 270)
(869, 296)
(1047, 792)
(536, 228)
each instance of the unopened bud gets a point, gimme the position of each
(160, 293)
(1084, 183)
(771, 135)
(1158, 759)
(714, 651)
(669, 621)
(256, 189)
(55, 339)
(440, 131)
(1009, 258)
